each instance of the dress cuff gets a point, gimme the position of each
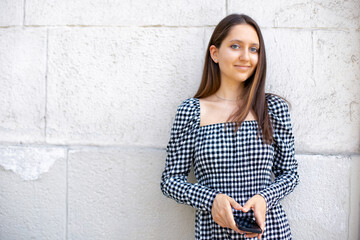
(209, 200)
(267, 196)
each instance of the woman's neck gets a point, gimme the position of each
(230, 90)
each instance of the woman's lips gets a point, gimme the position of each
(240, 67)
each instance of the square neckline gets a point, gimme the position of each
(197, 100)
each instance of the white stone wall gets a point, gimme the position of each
(89, 90)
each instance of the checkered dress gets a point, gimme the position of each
(239, 165)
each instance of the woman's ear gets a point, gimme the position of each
(214, 53)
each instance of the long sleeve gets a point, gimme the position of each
(180, 154)
(284, 165)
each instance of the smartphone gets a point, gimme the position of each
(247, 224)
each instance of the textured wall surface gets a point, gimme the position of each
(89, 91)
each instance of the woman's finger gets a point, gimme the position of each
(233, 226)
(235, 204)
(248, 205)
(230, 218)
(259, 219)
(251, 235)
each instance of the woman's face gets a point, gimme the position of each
(238, 53)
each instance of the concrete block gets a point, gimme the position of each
(289, 74)
(354, 217)
(319, 206)
(125, 13)
(23, 69)
(12, 12)
(334, 110)
(337, 14)
(120, 85)
(275, 13)
(301, 14)
(318, 73)
(33, 209)
(116, 192)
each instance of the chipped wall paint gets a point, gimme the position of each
(30, 162)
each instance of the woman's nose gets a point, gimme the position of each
(244, 54)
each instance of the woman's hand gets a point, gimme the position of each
(258, 204)
(222, 213)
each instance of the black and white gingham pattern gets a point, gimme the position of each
(238, 165)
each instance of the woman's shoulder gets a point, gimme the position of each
(187, 114)
(188, 106)
(276, 103)
(278, 108)
(188, 109)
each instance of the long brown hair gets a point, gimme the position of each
(254, 86)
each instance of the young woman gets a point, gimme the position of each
(235, 136)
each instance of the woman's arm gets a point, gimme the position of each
(180, 153)
(284, 165)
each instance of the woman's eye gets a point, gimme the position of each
(254, 50)
(235, 46)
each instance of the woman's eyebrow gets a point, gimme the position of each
(237, 40)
